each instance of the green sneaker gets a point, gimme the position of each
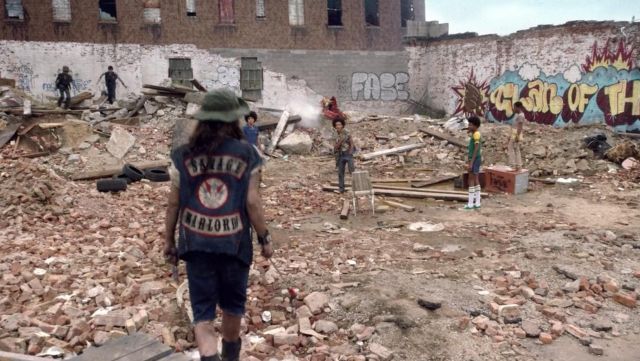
(476, 207)
(467, 208)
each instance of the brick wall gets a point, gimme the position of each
(205, 30)
(543, 67)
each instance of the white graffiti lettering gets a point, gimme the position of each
(385, 87)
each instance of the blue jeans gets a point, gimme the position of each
(343, 161)
(65, 96)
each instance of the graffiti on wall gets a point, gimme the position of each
(23, 74)
(605, 87)
(385, 86)
(80, 84)
(223, 77)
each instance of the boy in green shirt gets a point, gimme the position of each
(475, 160)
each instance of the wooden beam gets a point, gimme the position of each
(138, 106)
(198, 86)
(111, 171)
(440, 191)
(401, 149)
(346, 204)
(399, 205)
(453, 140)
(411, 194)
(282, 124)
(434, 181)
(9, 356)
(7, 133)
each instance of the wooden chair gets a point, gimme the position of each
(361, 186)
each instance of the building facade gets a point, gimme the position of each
(267, 50)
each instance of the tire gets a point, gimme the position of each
(132, 172)
(123, 176)
(111, 185)
(157, 175)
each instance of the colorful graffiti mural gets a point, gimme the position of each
(605, 88)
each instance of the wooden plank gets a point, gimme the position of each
(439, 191)
(399, 205)
(453, 140)
(117, 349)
(346, 204)
(198, 86)
(153, 352)
(282, 124)
(434, 181)
(7, 133)
(9, 356)
(138, 106)
(630, 135)
(177, 357)
(396, 150)
(111, 171)
(411, 194)
(50, 125)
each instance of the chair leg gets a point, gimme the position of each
(355, 211)
(373, 206)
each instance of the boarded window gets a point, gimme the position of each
(334, 12)
(251, 81)
(372, 12)
(108, 11)
(406, 11)
(151, 13)
(260, 12)
(191, 7)
(61, 10)
(14, 9)
(180, 71)
(225, 9)
(296, 12)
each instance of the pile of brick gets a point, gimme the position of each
(521, 306)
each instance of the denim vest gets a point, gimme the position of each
(213, 195)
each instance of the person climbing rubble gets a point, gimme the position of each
(215, 201)
(64, 81)
(344, 151)
(110, 78)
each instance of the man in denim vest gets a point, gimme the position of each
(214, 201)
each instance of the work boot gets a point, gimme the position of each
(215, 357)
(231, 350)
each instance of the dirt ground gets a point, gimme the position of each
(101, 253)
(530, 232)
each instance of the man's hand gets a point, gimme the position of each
(170, 253)
(267, 251)
(470, 167)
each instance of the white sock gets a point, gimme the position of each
(471, 196)
(477, 196)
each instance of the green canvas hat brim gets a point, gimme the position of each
(224, 116)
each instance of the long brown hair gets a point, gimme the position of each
(209, 135)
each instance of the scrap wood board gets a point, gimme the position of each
(136, 347)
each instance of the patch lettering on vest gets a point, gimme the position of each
(219, 226)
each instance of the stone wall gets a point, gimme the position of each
(374, 81)
(580, 72)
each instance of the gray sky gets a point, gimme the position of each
(507, 16)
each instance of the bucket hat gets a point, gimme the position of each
(222, 105)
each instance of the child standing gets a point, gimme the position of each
(475, 160)
(250, 130)
(344, 151)
(513, 146)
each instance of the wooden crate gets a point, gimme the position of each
(505, 180)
